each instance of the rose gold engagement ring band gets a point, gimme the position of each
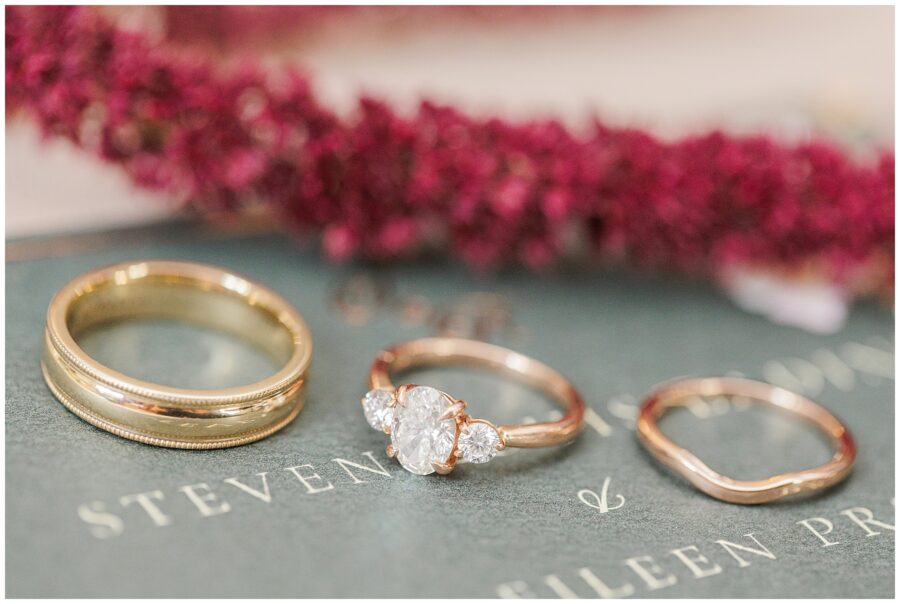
(430, 430)
(712, 483)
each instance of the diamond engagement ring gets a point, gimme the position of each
(430, 430)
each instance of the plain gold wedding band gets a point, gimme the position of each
(163, 415)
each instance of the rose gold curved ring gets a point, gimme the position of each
(430, 430)
(700, 475)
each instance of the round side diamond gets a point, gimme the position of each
(419, 435)
(376, 406)
(478, 442)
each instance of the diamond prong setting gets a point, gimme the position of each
(443, 468)
(424, 431)
(456, 410)
(378, 407)
(429, 429)
(479, 441)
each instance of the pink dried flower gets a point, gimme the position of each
(494, 192)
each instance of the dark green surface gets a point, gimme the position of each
(514, 525)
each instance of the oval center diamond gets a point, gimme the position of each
(419, 436)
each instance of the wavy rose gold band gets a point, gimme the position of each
(744, 491)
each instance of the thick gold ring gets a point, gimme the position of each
(744, 491)
(162, 415)
(430, 430)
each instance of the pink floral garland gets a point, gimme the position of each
(492, 192)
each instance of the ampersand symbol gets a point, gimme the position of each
(600, 502)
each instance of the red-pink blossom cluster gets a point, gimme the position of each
(382, 185)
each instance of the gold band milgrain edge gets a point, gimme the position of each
(220, 410)
(160, 440)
